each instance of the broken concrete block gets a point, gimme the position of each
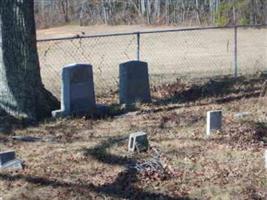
(214, 121)
(138, 142)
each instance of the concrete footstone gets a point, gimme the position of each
(214, 121)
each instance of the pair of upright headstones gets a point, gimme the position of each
(77, 87)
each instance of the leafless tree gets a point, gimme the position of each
(180, 12)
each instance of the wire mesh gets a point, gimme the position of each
(104, 53)
(185, 53)
(188, 54)
(252, 50)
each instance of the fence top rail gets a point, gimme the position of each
(150, 32)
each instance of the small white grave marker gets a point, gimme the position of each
(138, 142)
(214, 121)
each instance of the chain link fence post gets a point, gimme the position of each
(138, 45)
(235, 53)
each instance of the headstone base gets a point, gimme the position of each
(13, 165)
(98, 111)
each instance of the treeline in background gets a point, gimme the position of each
(168, 12)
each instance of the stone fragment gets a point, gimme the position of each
(242, 115)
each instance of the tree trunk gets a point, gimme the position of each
(22, 93)
(65, 10)
(143, 7)
(148, 10)
(167, 11)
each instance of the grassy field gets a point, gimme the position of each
(186, 54)
(83, 158)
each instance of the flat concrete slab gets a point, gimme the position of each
(26, 138)
(242, 115)
(13, 165)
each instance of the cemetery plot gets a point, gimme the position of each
(89, 158)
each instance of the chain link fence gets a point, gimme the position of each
(171, 54)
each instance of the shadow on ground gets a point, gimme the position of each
(220, 90)
(8, 123)
(123, 187)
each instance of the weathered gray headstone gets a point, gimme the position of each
(77, 91)
(134, 83)
(138, 142)
(214, 121)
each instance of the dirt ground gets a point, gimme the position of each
(172, 55)
(84, 158)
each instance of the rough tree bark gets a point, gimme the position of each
(22, 93)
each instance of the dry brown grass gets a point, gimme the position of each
(88, 159)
